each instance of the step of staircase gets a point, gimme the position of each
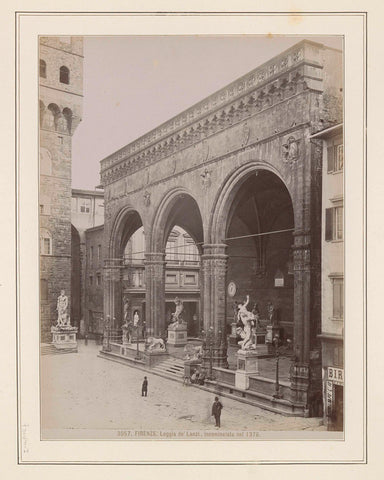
(172, 367)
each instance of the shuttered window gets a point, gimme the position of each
(334, 223)
(338, 298)
(335, 158)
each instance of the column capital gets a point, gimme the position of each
(216, 250)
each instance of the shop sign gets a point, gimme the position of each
(336, 375)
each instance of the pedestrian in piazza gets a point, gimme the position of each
(216, 411)
(144, 387)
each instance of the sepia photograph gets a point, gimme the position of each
(191, 236)
(190, 244)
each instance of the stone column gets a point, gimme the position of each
(301, 311)
(214, 271)
(155, 293)
(112, 294)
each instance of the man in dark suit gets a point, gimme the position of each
(216, 411)
(144, 387)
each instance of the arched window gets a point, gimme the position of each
(67, 112)
(45, 242)
(53, 117)
(64, 75)
(43, 69)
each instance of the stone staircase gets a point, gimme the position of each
(50, 349)
(171, 367)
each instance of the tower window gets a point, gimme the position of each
(64, 75)
(43, 69)
(45, 243)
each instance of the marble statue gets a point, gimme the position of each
(176, 316)
(62, 305)
(246, 320)
(126, 309)
(136, 318)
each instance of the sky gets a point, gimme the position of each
(133, 84)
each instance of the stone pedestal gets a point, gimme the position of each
(177, 334)
(64, 337)
(152, 358)
(247, 364)
(190, 366)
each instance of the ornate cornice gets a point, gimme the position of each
(273, 82)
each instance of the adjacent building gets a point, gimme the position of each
(332, 283)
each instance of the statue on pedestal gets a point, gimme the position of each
(176, 316)
(126, 310)
(246, 321)
(62, 305)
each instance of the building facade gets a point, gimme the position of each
(61, 99)
(332, 283)
(87, 212)
(240, 174)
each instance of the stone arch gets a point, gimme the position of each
(169, 214)
(68, 115)
(228, 191)
(126, 222)
(52, 116)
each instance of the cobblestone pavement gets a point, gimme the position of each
(82, 392)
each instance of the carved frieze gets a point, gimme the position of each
(247, 96)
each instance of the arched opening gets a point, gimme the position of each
(67, 113)
(178, 236)
(52, 117)
(258, 233)
(182, 278)
(127, 280)
(64, 75)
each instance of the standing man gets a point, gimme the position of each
(144, 387)
(216, 411)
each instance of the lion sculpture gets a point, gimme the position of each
(154, 343)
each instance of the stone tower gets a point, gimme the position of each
(61, 99)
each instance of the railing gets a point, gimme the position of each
(116, 336)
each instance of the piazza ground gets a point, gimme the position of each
(85, 396)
